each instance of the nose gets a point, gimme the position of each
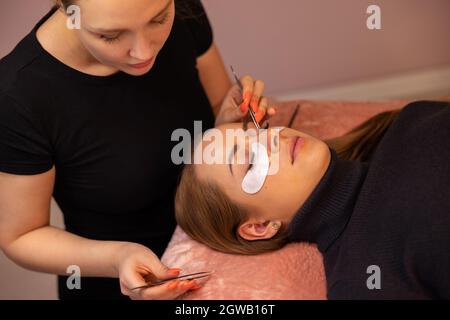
(141, 49)
(271, 139)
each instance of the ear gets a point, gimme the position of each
(254, 229)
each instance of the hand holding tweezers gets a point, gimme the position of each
(192, 276)
(250, 110)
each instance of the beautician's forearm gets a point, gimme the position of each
(52, 250)
(216, 108)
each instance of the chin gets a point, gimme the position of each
(315, 155)
(323, 156)
(137, 72)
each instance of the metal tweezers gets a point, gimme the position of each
(250, 110)
(294, 115)
(192, 276)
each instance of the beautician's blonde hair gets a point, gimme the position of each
(185, 8)
(209, 216)
(63, 3)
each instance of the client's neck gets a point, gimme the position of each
(324, 215)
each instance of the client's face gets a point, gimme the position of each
(295, 169)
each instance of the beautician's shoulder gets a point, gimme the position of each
(20, 67)
(23, 75)
(24, 147)
(10, 67)
(192, 15)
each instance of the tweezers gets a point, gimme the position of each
(291, 121)
(192, 276)
(250, 110)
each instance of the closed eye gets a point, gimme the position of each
(109, 38)
(163, 19)
(275, 141)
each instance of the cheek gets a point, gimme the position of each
(104, 52)
(162, 33)
(315, 158)
(159, 38)
(112, 56)
(284, 192)
(275, 189)
(280, 185)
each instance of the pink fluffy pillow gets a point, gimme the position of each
(296, 271)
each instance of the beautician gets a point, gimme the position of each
(86, 116)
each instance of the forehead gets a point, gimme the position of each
(119, 13)
(222, 137)
(218, 142)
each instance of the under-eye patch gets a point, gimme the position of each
(255, 177)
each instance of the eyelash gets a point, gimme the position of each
(164, 19)
(251, 162)
(110, 40)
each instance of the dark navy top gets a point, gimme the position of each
(383, 225)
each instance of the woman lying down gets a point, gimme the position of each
(376, 201)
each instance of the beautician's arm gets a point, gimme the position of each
(27, 238)
(214, 77)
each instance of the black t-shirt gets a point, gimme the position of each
(109, 138)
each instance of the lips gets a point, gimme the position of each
(295, 143)
(141, 65)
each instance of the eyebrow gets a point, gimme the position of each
(101, 30)
(232, 154)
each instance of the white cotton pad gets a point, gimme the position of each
(255, 177)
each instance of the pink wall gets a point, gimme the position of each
(298, 44)
(17, 18)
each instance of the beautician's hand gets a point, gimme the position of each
(136, 264)
(236, 103)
